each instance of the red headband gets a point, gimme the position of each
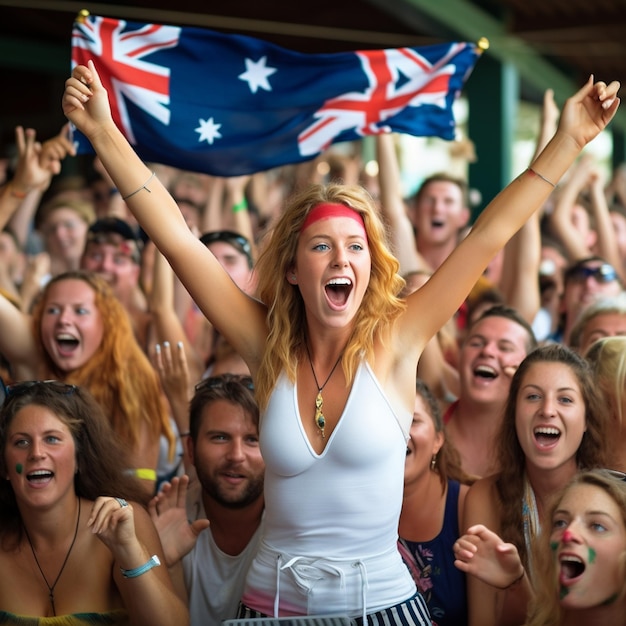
(326, 210)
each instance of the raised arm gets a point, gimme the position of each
(132, 538)
(562, 218)
(167, 324)
(606, 242)
(522, 254)
(393, 209)
(237, 316)
(584, 115)
(17, 341)
(36, 166)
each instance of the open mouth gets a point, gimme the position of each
(484, 371)
(39, 476)
(571, 568)
(338, 290)
(546, 435)
(66, 342)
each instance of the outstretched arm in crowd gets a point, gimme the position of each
(584, 116)
(241, 319)
(393, 209)
(36, 166)
(522, 254)
(167, 324)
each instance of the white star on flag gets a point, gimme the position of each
(256, 74)
(209, 130)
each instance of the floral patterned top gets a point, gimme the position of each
(431, 564)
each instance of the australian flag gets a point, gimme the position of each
(229, 104)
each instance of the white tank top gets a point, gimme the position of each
(331, 520)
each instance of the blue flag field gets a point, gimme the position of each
(229, 105)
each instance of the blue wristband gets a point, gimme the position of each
(142, 569)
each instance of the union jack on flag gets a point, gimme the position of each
(229, 104)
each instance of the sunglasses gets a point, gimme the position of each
(18, 389)
(616, 474)
(224, 381)
(605, 273)
(239, 242)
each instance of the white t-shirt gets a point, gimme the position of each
(215, 580)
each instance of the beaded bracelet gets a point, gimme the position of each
(532, 171)
(142, 569)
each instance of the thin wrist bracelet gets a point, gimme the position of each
(142, 569)
(517, 580)
(538, 175)
(130, 195)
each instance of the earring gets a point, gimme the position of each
(433, 463)
(294, 279)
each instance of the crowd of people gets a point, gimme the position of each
(300, 393)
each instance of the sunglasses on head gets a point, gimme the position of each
(18, 389)
(221, 382)
(616, 474)
(605, 273)
(239, 242)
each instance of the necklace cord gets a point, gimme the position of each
(67, 556)
(319, 419)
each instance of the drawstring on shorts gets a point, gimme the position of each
(306, 572)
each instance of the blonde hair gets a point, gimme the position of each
(607, 357)
(545, 608)
(381, 304)
(119, 374)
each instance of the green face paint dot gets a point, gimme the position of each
(564, 592)
(19, 468)
(554, 545)
(592, 555)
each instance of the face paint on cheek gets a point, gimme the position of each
(554, 545)
(563, 593)
(19, 468)
(592, 555)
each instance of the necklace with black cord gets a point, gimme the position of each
(65, 560)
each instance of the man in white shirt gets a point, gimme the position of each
(223, 444)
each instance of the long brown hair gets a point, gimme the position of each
(102, 463)
(512, 461)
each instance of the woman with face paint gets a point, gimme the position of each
(333, 352)
(80, 333)
(580, 559)
(554, 424)
(78, 547)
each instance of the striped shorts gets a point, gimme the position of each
(411, 612)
